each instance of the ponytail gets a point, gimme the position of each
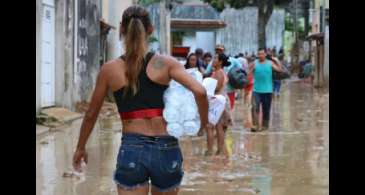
(135, 45)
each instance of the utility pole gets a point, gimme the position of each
(165, 15)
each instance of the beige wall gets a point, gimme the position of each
(64, 35)
(315, 21)
(318, 3)
(105, 9)
(112, 13)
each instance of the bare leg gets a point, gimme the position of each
(249, 100)
(255, 111)
(201, 132)
(249, 97)
(172, 192)
(210, 140)
(139, 191)
(220, 139)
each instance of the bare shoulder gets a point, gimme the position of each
(112, 65)
(220, 74)
(110, 69)
(165, 61)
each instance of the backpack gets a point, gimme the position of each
(280, 75)
(237, 78)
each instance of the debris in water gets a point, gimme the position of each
(322, 121)
(72, 174)
(44, 142)
(68, 174)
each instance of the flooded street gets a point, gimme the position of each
(290, 158)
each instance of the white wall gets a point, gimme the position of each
(61, 50)
(189, 40)
(240, 34)
(206, 41)
(203, 40)
(275, 29)
(112, 13)
(38, 70)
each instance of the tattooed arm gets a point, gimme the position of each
(159, 63)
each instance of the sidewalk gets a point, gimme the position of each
(40, 129)
(53, 117)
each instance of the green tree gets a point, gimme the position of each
(265, 9)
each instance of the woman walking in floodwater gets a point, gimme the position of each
(138, 79)
(220, 61)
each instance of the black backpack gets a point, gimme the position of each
(280, 75)
(237, 78)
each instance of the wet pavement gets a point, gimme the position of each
(290, 158)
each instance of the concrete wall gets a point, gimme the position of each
(77, 46)
(189, 40)
(326, 56)
(88, 45)
(203, 40)
(325, 3)
(112, 13)
(275, 29)
(65, 18)
(194, 11)
(76, 74)
(240, 35)
(206, 41)
(38, 70)
(183, 11)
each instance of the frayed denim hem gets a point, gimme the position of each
(128, 188)
(169, 188)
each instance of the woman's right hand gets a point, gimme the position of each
(79, 156)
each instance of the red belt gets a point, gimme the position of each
(145, 113)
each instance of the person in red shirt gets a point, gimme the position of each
(249, 87)
(248, 96)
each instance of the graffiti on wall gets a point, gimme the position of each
(88, 45)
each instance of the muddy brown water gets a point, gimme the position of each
(290, 158)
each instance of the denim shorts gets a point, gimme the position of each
(143, 159)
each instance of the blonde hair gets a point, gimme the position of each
(135, 22)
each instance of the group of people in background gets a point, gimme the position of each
(139, 80)
(261, 86)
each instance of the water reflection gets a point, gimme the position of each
(290, 158)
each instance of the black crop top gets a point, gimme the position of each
(149, 95)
